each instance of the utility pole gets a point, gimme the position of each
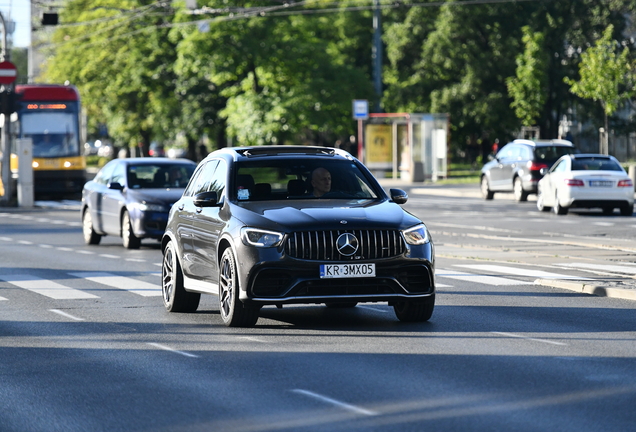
(6, 132)
(376, 54)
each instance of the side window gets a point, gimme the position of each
(526, 153)
(201, 179)
(561, 166)
(118, 175)
(103, 177)
(217, 182)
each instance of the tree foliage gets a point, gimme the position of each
(258, 72)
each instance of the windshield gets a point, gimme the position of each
(273, 179)
(147, 176)
(54, 134)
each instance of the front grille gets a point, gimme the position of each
(321, 245)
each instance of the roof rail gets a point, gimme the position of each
(284, 149)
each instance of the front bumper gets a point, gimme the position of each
(274, 278)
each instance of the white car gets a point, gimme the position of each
(586, 181)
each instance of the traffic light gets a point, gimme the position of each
(8, 102)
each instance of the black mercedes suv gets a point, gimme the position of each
(276, 225)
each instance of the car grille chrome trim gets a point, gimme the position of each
(321, 245)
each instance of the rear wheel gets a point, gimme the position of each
(486, 193)
(90, 236)
(519, 193)
(627, 210)
(558, 208)
(233, 312)
(175, 297)
(415, 312)
(129, 239)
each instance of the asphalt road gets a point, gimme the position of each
(85, 343)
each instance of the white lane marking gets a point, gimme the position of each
(372, 308)
(7, 239)
(45, 246)
(135, 260)
(439, 285)
(121, 282)
(518, 271)
(46, 287)
(109, 256)
(488, 280)
(67, 315)
(25, 242)
(603, 224)
(528, 338)
(253, 339)
(627, 269)
(85, 252)
(335, 402)
(167, 348)
(2, 298)
(65, 249)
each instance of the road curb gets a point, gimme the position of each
(597, 290)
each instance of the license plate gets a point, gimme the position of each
(601, 183)
(330, 271)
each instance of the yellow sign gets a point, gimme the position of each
(378, 146)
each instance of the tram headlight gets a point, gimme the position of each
(35, 164)
(67, 164)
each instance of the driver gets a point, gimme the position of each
(321, 181)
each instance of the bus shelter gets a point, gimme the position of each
(412, 147)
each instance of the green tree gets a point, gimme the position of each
(528, 88)
(605, 75)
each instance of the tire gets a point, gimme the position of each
(519, 193)
(233, 312)
(175, 297)
(90, 236)
(128, 237)
(415, 312)
(558, 208)
(627, 210)
(540, 205)
(486, 193)
(345, 305)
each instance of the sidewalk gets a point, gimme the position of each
(624, 288)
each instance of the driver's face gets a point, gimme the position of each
(321, 181)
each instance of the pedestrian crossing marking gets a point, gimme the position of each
(484, 279)
(518, 271)
(627, 269)
(46, 287)
(141, 288)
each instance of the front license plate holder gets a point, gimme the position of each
(335, 271)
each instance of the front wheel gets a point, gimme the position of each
(415, 312)
(129, 239)
(90, 236)
(233, 312)
(175, 297)
(486, 193)
(519, 193)
(540, 202)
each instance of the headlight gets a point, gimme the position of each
(260, 238)
(418, 235)
(144, 206)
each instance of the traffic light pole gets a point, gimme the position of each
(6, 132)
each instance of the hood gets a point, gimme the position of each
(325, 215)
(157, 196)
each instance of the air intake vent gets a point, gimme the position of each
(322, 245)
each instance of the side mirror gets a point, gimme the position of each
(399, 196)
(115, 186)
(207, 199)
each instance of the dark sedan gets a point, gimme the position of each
(131, 198)
(293, 224)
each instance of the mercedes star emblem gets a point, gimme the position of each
(347, 244)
